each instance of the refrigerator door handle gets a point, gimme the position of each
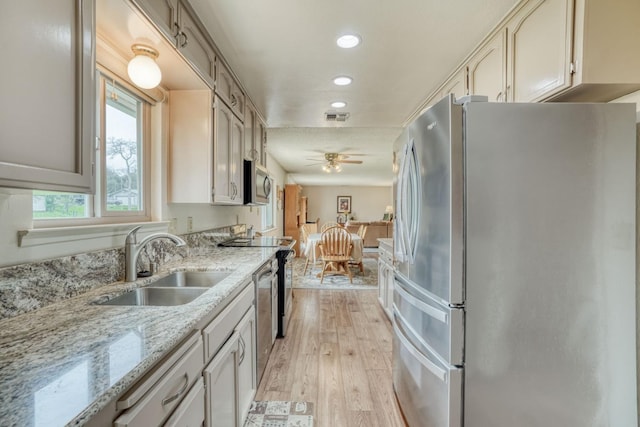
(432, 367)
(426, 308)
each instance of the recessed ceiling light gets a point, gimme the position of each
(342, 80)
(338, 104)
(348, 41)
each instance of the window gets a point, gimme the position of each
(269, 211)
(121, 169)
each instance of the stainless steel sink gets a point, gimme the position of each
(157, 296)
(184, 279)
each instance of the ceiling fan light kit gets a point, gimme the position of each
(334, 162)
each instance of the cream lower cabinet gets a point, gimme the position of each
(385, 277)
(230, 378)
(47, 111)
(247, 364)
(159, 393)
(220, 378)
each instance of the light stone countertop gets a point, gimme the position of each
(65, 362)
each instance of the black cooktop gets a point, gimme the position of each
(259, 242)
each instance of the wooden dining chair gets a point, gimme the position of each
(362, 231)
(328, 225)
(335, 252)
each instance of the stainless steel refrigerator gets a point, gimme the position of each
(514, 299)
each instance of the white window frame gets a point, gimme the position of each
(97, 211)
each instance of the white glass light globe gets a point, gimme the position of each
(144, 72)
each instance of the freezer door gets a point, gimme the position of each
(435, 326)
(550, 265)
(428, 390)
(430, 203)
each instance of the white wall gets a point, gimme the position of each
(367, 203)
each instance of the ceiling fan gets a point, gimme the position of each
(333, 161)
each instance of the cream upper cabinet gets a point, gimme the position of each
(605, 50)
(539, 52)
(456, 85)
(487, 69)
(229, 91)
(177, 21)
(250, 115)
(47, 111)
(228, 143)
(163, 13)
(255, 135)
(191, 157)
(193, 42)
(261, 142)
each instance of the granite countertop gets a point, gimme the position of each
(65, 362)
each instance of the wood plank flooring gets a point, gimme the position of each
(337, 354)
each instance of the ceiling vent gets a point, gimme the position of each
(336, 117)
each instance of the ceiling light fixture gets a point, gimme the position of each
(342, 80)
(338, 104)
(143, 70)
(331, 167)
(348, 41)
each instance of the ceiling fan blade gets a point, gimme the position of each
(355, 162)
(315, 160)
(316, 164)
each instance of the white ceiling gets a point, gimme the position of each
(285, 55)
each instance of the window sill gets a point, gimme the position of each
(46, 236)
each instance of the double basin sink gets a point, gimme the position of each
(177, 288)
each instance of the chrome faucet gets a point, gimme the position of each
(132, 250)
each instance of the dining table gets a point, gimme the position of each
(312, 251)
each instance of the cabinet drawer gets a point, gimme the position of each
(220, 329)
(190, 413)
(159, 393)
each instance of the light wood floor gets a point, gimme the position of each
(337, 354)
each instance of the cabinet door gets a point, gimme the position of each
(250, 133)
(456, 85)
(274, 308)
(223, 128)
(220, 379)
(247, 364)
(236, 161)
(163, 13)
(488, 69)
(190, 412)
(261, 142)
(229, 91)
(47, 112)
(194, 45)
(539, 55)
(382, 284)
(389, 298)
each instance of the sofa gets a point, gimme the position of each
(375, 230)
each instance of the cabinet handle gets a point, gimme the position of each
(170, 399)
(234, 101)
(499, 96)
(186, 39)
(242, 344)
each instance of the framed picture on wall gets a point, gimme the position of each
(344, 204)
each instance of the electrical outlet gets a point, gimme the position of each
(173, 225)
(189, 224)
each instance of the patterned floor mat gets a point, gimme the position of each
(310, 280)
(275, 413)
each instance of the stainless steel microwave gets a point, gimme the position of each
(257, 185)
